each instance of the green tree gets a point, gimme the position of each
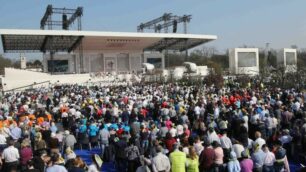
(4, 62)
(37, 64)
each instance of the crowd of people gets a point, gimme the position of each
(153, 127)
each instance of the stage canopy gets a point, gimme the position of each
(15, 40)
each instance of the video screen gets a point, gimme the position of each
(246, 59)
(59, 65)
(290, 58)
(157, 62)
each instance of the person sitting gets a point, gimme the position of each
(78, 165)
(54, 164)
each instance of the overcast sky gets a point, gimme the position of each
(281, 23)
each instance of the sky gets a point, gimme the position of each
(282, 23)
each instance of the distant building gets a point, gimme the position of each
(23, 61)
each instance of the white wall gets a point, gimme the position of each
(96, 61)
(233, 62)
(18, 78)
(15, 78)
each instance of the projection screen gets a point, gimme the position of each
(157, 62)
(246, 59)
(290, 58)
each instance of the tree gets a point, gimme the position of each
(214, 79)
(4, 62)
(37, 64)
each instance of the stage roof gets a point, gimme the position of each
(15, 40)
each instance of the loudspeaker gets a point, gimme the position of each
(65, 22)
(174, 26)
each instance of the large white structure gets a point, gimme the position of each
(75, 52)
(18, 79)
(244, 61)
(287, 57)
(67, 51)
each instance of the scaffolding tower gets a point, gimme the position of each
(68, 16)
(165, 22)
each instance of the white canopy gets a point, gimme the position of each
(15, 40)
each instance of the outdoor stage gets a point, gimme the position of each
(67, 51)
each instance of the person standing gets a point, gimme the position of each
(246, 164)
(93, 134)
(160, 162)
(177, 159)
(104, 136)
(26, 154)
(207, 157)
(219, 155)
(11, 157)
(258, 158)
(69, 140)
(269, 160)
(192, 163)
(120, 156)
(233, 164)
(132, 154)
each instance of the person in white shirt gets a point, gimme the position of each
(197, 110)
(269, 159)
(104, 136)
(173, 131)
(226, 142)
(160, 162)
(260, 141)
(2, 140)
(179, 130)
(238, 148)
(212, 135)
(198, 146)
(285, 138)
(11, 157)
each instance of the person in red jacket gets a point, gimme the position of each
(169, 142)
(207, 157)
